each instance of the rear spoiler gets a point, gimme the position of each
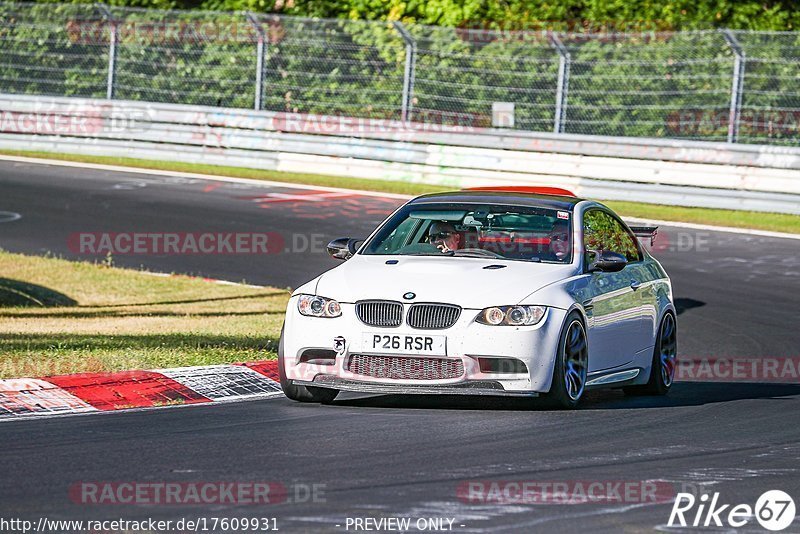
(646, 232)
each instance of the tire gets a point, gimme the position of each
(301, 393)
(571, 366)
(662, 370)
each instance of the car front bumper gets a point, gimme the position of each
(466, 341)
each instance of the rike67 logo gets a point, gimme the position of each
(774, 510)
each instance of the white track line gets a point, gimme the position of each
(730, 229)
(177, 174)
(205, 279)
(250, 181)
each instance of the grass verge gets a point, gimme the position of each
(737, 219)
(59, 317)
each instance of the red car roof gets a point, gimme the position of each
(537, 190)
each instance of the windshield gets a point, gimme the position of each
(469, 230)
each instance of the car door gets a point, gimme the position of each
(612, 300)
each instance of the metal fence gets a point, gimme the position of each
(733, 86)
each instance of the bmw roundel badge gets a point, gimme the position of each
(410, 296)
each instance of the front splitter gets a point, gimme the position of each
(482, 387)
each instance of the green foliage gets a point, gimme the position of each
(659, 14)
(197, 57)
(334, 67)
(604, 233)
(647, 83)
(642, 14)
(42, 53)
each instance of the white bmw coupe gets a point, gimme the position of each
(492, 291)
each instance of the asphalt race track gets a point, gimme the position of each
(386, 456)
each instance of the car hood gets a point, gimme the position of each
(466, 282)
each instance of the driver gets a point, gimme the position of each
(559, 240)
(444, 236)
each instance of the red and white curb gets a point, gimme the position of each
(95, 392)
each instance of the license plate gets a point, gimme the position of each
(404, 344)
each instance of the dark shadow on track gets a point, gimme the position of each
(14, 293)
(683, 304)
(682, 394)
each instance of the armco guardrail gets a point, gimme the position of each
(646, 170)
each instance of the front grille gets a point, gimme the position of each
(383, 313)
(433, 316)
(405, 367)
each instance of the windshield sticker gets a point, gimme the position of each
(563, 215)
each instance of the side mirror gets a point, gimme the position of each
(343, 248)
(607, 262)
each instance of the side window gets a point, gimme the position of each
(602, 232)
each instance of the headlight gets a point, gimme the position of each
(511, 315)
(315, 306)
